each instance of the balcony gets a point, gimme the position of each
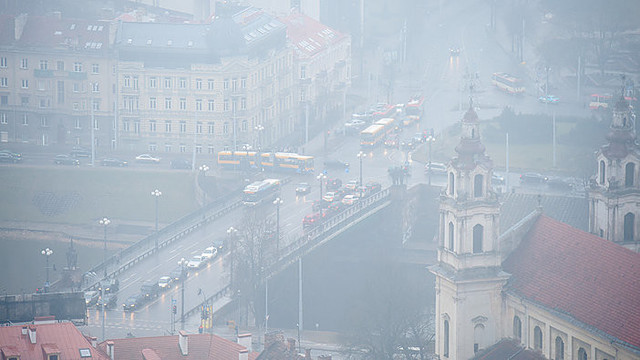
(39, 73)
(75, 75)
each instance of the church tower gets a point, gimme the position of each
(614, 192)
(469, 279)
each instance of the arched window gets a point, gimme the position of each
(629, 172)
(478, 336)
(477, 238)
(451, 235)
(517, 328)
(582, 354)
(537, 338)
(477, 185)
(602, 172)
(629, 224)
(559, 348)
(452, 183)
(445, 337)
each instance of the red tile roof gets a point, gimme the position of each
(595, 281)
(200, 346)
(308, 35)
(63, 338)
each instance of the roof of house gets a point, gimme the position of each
(569, 210)
(61, 338)
(585, 277)
(508, 349)
(200, 346)
(308, 35)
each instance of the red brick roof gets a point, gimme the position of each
(595, 281)
(63, 338)
(308, 35)
(200, 346)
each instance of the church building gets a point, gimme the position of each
(540, 288)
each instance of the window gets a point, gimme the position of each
(95, 68)
(45, 103)
(245, 125)
(477, 238)
(78, 124)
(451, 238)
(234, 84)
(602, 172)
(182, 83)
(25, 120)
(445, 337)
(24, 63)
(41, 85)
(559, 348)
(125, 126)
(243, 83)
(243, 103)
(452, 183)
(96, 104)
(211, 105)
(136, 126)
(24, 100)
(183, 127)
(629, 172)
(167, 83)
(153, 103)
(199, 84)
(537, 338)
(226, 104)
(183, 104)
(152, 126)
(135, 82)
(225, 128)
(210, 84)
(153, 147)
(183, 148)
(198, 148)
(3, 62)
(478, 336)
(199, 127)
(210, 149)
(76, 87)
(582, 354)
(52, 357)
(477, 185)
(25, 83)
(95, 87)
(77, 66)
(44, 64)
(629, 225)
(167, 126)
(127, 81)
(4, 100)
(517, 328)
(4, 82)
(167, 103)
(84, 353)
(225, 84)
(3, 118)
(167, 147)
(60, 65)
(153, 82)
(95, 124)
(210, 127)
(303, 71)
(199, 104)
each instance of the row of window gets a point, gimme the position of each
(132, 82)
(44, 65)
(44, 122)
(168, 127)
(478, 238)
(153, 147)
(629, 173)
(131, 103)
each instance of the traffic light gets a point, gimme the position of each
(174, 309)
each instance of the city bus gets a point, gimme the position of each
(260, 191)
(508, 83)
(388, 123)
(285, 162)
(413, 111)
(237, 159)
(372, 136)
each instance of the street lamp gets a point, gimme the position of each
(231, 232)
(47, 252)
(182, 263)
(360, 156)
(259, 128)
(104, 222)
(321, 178)
(157, 193)
(429, 140)
(203, 171)
(277, 202)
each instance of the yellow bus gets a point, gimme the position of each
(291, 162)
(237, 159)
(372, 136)
(388, 123)
(508, 83)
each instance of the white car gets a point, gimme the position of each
(351, 184)
(349, 199)
(329, 196)
(164, 282)
(195, 262)
(147, 158)
(209, 253)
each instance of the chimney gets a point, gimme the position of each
(307, 354)
(94, 341)
(24, 330)
(245, 340)
(183, 343)
(110, 349)
(243, 354)
(32, 334)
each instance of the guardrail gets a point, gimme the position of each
(222, 292)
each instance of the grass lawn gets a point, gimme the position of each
(78, 196)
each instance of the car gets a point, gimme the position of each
(65, 160)
(134, 302)
(164, 283)
(91, 297)
(108, 301)
(334, 208)
(150, 290)
(559, 184)
(392, 141)
(303, 189)
(373, 187)
(219, 244)
(333, 184)
(454, 51)
(112, 286)
(549, 99)
(329, 196)
(209, 253)
(146, 158)
(351, 185)
(181, 164)
(497, 179)
(178, 273)
(114, 162)
(435, 168)
(10, 156)
(78, 152)
(350, 199)
(532, 178)
(407, 144)
(419, 137)
(354, 126)
(336, 164)
(196, 262)
(313, 220)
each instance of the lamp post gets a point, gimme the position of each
(182, 263)
(203, 170)
(156, 193)
(429, 140)
(47, 252)
(360, 156)
(277, 202)
(104, 222)
(259, 128)
(231, 232)
(321, 178)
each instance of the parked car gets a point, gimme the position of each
(146, 158)
(65, 160)
(435, 168)
(108, 300)
(181, 164)
(134, 302)
(114, 162)
(78, 152)
(549, 99)
(336, 164)
(150, 290)
(532, 178)
(164, 283)
(209, 253)
(10, 156)
(91, 297)
(303, 189)
(196, 262)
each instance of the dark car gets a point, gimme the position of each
(114, 162)
(65, 160)
(134, 302)
(150, 290)
(77, 152)
(373, 187)
(9, 156)
(559, 184)
(336, 164)
(181, 164)
(303, 189)
(108, 300)
(333, 184)
(113, 286)
(532, 178)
